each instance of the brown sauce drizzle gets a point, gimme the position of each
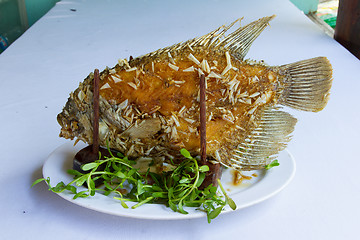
(238, 177)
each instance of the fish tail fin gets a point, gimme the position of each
(308, 85)
(263, 143)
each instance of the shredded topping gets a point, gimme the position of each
(174, 67)
(106, 85)
(192, 58)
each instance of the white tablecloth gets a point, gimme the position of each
(44, 65)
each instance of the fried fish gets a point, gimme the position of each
(149, 105)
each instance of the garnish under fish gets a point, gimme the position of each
(149, 105)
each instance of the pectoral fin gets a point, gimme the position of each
(145, 129)
(263, 143)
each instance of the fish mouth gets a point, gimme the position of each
(70, 127)
(66, 129)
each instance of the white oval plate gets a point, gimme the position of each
(250, 192)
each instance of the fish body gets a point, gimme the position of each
(149, 106)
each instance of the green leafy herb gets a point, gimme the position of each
(185, 153)
(178, 189)
(272, 164)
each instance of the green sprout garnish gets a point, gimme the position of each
(177, 189)
(272, 164)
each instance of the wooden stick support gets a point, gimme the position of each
(202, 119)
(214, 172)
(95, 145)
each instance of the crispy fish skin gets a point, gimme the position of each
(149, 106)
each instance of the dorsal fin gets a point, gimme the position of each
(307, 85)
(238, 42)
(263, 143)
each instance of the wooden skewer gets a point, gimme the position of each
(202, 119)
(95, 147)
(214, 172)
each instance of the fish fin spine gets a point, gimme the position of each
(238, 42)
(264, 142)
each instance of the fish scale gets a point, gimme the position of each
(150, 104)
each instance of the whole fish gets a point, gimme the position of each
(149, 105)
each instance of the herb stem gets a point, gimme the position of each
(195, 182)
(142, 202)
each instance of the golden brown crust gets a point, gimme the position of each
(168, 86)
